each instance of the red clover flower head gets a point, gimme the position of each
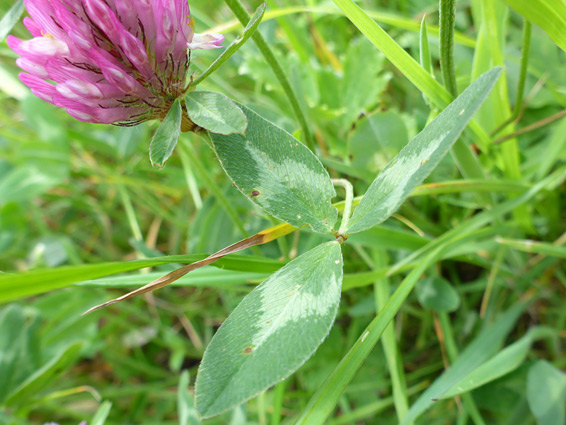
(109, 61)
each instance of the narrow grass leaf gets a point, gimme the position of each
(101, 414)
(273, 331)
(481, 349)
(21, 285)
(251, 27)
(278, 173)
(550, 15)
(43, 376)
(506, 361)
(166, 136)
(10, 19)
(417, 160)
(424, 49)
(534, 247)
(215, 112)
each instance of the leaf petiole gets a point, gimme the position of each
(347, 204)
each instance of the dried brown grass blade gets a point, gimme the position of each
(257, 239)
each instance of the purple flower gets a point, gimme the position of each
(109, 61)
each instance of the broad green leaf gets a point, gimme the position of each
(10, 19)
(550, 15)
(215, 112)
(362, 84)
(326, 397)
(251, 27)
(546, 392)
(417, 160)
(506, 361)
(278, 173)
(43, 376)
(166, 137)
(273, 331)
(438, 295)
(480, 350)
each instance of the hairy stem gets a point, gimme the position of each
(447, 18)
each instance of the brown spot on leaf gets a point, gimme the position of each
(255, 193)
(248, 350)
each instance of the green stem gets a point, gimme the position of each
(381, 289)
(447, 18)
(278, 395)
(130, 213)
(525, 50)
(239, 10)
(532, 127)
(347, 203)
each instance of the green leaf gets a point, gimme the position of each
(550, 15)
(506, 361)
(273, 331)
(101, 414)
(424, 49)
(19, 341)
(278, 173)
(166, 136)
(438, 295)
(546, 392)
(251, 27)
(215, 112)
(417, 160)
(480, 350)
(10, 19)
(20, 285)
(43, 376)
(327, 395)
(534, 247)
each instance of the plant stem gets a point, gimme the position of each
(130, 213)
(532, 127)
(239, 10)
(389, 344)
(347, 203)
(525, 50)
(447, 18)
